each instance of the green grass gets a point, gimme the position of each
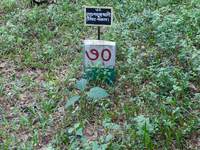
(154, 104)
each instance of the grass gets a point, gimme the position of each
(154, 104)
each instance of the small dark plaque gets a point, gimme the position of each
(98, 16)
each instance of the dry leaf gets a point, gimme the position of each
(2, 65)
(62, 109)
(115, 106)
(3, 70)
(22, 85)
(65, 43)
(89, 131)
(66, 64)
(11, 108)
(8, 106)
(55, 115)
(21, 97)
(82, 37)
(192, 86)
(143, 47)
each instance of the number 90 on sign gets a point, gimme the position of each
(96, 53)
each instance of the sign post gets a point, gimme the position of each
(99, 56)
(98, 16)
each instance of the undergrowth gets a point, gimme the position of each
(154, 104)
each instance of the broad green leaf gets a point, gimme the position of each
(72, 100)
(83, 140)
(104, 146)
(197, 96)
(50, 148)
(198, 68)
(51, 83)
(79, 132)
(174, 111)
(81, 84)
(104, 123)
(97, 92)
(95, 146)
(76, 125)
(116, 127)
(108, 137)
(70, 130)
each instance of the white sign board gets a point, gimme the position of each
(99, 52)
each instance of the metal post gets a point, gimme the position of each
(98, 32)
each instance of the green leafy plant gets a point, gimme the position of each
(95, 92)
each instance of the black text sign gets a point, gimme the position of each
(98, 16)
